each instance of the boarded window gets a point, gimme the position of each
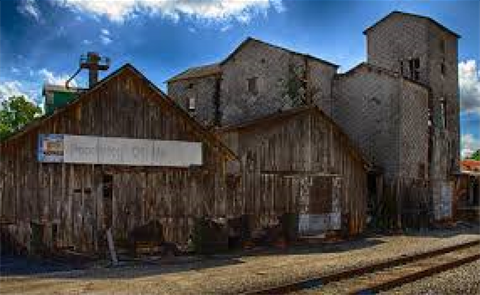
(414, 66)
(321, 195)
(252, 84)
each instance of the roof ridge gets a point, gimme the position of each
(102, 82)
(397, 12)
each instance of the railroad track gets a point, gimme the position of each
(383, 275)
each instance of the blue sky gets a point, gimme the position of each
(41, 40)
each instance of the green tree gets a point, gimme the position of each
(476, 155)
(16, 112)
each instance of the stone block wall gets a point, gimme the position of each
(413, 101)
(203, 91)
(283, 79)
(367, 109)
(395, 40)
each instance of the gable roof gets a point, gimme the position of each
(216, 68)
(250, 39)
(285, 115)
(396, 12)
(197, 72)
(161, 97)
(379, 69)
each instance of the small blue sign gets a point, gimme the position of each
(50, 148)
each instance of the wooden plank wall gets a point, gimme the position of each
(70, 196)
(278, 158)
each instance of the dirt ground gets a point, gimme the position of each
(221, 274)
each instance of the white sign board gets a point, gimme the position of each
(120, 151)
(311, 224)
(443, 201)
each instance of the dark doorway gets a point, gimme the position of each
(36, 243)
(375, 204)
(107, 186)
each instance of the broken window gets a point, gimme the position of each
(414, 66)
(443, 112)
(191, 104)
(442, 46)
(252, 85)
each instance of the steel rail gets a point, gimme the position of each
(321, 280)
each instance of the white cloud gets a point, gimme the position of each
(11, 88)
(469, 82)
(470, 144)
(105, 37)
(216, 10)
(225, 28)
(87, 42)
(50, 78)
(29, 8)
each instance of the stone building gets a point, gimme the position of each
(386, 115)
(400, 107)
(255, 80)
(420, 48)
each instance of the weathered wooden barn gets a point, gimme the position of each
(299, 161)
(129, 163)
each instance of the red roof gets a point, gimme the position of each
(471, 165)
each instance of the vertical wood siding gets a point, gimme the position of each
(71, 196)
(282, 159)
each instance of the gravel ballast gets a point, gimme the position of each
(463, 280)
(233, 274)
